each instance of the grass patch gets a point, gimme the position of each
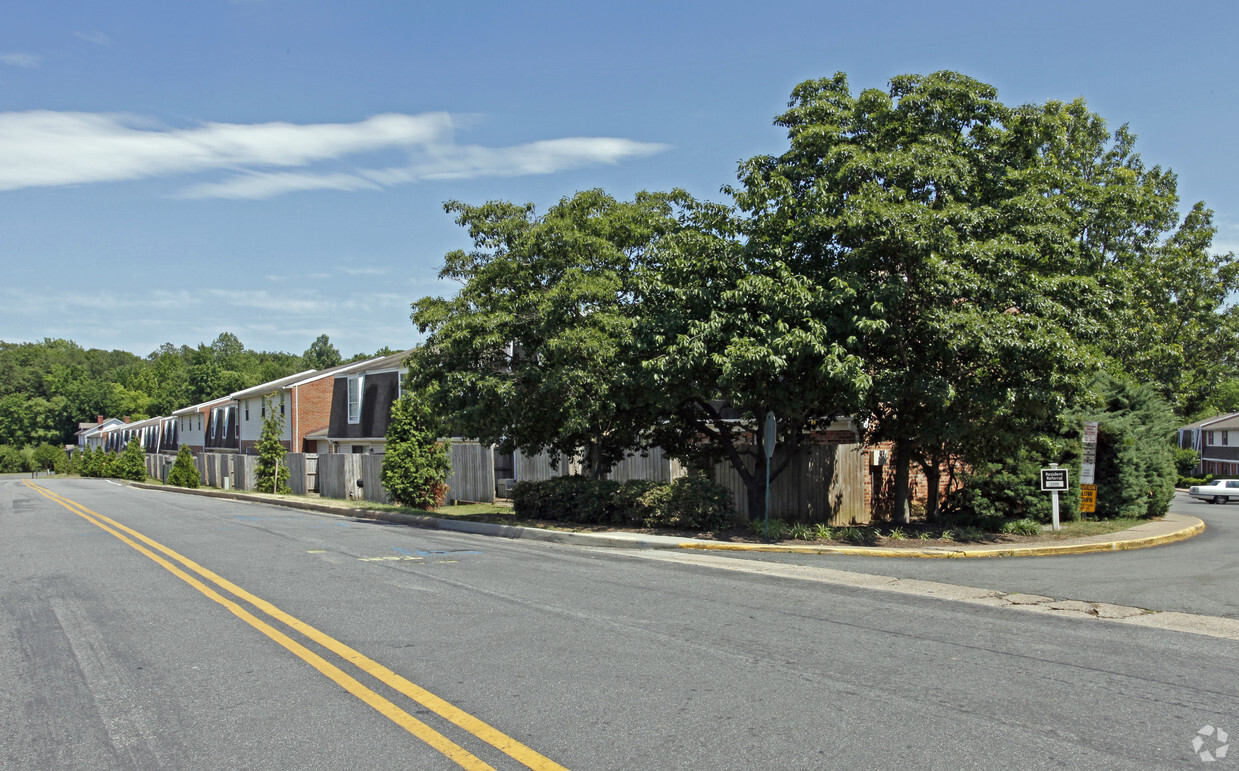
(1084, 528)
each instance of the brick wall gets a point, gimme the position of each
(880, 482)
(313, 404)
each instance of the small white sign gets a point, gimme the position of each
(1054, 480)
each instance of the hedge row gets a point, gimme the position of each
(691, 503)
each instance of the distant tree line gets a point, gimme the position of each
(47, 388)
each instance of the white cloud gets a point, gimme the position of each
(95, 36)
(45, 148)
(255, 185)
(17, 59)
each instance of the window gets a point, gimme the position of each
(354, 398)
(247, 412)
(263, 409)
(1209, 438)
(281, 404)
(1225, 437)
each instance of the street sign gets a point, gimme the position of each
(1088, 499)
(1054, 480)
(1088, 463)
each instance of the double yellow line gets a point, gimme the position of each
(447, 711)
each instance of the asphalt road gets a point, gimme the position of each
(116, 658)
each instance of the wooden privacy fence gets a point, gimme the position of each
(826, 483)
(472, 477)
(302, 472)
(653, 465)
(338, 474)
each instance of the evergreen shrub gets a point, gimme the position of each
(416, 462)
(184, 472)
(131, 464)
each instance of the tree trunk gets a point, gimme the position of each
(933, 477)
(902, 512)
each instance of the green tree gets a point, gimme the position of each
(131, 464)
(416, 462)
(1135, 467)
(10, 460)
(49, 457)
(321, 354)
(184, 472)
(988, 247)
(272, 474)
(729, 332)
(535, 352)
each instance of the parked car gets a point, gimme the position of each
(1217, 491)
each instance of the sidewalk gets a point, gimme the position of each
(1172, 528)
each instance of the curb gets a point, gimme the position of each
(1193, 527)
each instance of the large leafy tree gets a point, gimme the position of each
(730, 332)
(535, 350)
(998, 254)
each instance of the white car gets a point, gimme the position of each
(1217, 491)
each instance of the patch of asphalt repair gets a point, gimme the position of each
(1212, 626)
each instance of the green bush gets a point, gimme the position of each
(184, 472)
(49, 457)
(131, 464)
(1193, 481)
(1021, 527)
(688, 503)
(1135, 466)
(271, 473)
(10, 460)
(691, 502)
(415, 463)
(1185, 461)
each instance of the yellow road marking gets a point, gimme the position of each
(444, 709)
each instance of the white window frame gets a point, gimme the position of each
(356, 385)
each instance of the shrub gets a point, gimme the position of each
(91, 464)
(1021, 527)
(131, 464)
(691, 502)
(416, 463)
(49, 457)
(1192, 481)
(184, 472)
(801, 532)
(271, 476)
(10, 460)
(859, 536)
(1185, 460)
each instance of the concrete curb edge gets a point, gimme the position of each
(642, 541)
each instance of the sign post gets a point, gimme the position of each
(771, 436)
(1054, 480)
(1088, 466)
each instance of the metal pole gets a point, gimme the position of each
(1054, 504)
(767, 498)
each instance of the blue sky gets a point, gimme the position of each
(277, 168)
